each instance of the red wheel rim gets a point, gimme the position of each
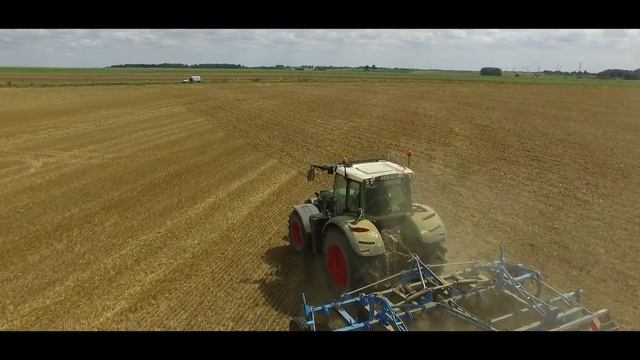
(296, 235)
(337, 266)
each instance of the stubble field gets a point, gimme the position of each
(165, 206)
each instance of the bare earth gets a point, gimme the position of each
(165, 207)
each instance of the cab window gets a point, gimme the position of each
(339, 193)
(353, 199)
(346, 193)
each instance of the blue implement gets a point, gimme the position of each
(494, 296)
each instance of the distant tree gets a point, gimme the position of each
(620, 74)
(373, 67)
(491, 71)
(366, 68)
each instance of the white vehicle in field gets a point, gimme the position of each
(192, 80)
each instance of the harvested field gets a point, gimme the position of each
(165, 206)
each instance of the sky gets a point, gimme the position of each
(450, 49)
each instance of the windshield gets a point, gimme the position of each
(387, 197)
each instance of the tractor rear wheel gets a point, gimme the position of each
(346, 269)
(297, 237)
(434, 254)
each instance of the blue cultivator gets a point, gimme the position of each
(495, 296)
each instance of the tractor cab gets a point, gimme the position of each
(375, 188)
(379, 188)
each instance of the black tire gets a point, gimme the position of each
(434, 254)
(299, 324)
(352, 271)
(298, 238)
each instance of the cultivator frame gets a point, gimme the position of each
(494, 296)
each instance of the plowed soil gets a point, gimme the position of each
(165, 207)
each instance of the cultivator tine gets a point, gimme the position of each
(526, 309)
(456, 310)
(592, 320)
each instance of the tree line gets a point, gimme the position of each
(173, 66)
(275, 67)
(620, 74)
(491, 71)
(558, 72)
(607, 74)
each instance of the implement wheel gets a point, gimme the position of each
(299, 324)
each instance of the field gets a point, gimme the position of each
(47, 77)
(164, 206)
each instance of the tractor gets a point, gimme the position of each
(367, 226)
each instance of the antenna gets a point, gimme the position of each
(344, 162)
(408, 153)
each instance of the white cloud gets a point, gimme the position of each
(440, 48)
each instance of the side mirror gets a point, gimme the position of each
(311, 175)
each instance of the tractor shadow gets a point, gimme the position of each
(295, 274)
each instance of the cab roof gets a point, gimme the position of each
(372, 169)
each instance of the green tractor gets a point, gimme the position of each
(367, 226)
